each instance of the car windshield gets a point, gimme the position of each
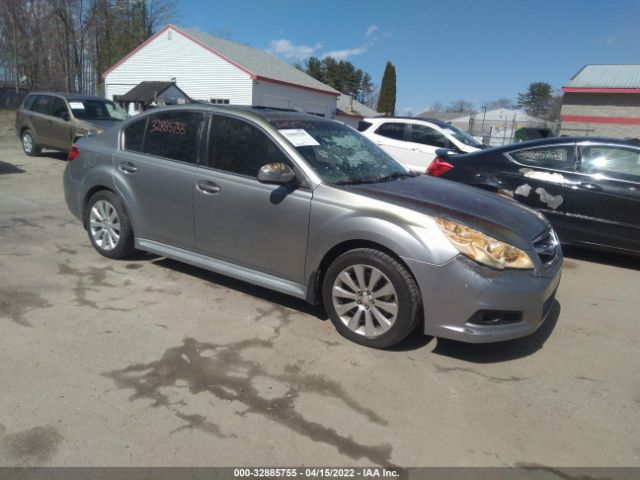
(97, 110)
(340, 154)
(462, 136)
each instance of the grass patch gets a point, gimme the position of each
(8, 126)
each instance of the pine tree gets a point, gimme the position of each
(387, 99)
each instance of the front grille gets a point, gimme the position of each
(545, 246)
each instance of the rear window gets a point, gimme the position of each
(362, 125)
(134, 135)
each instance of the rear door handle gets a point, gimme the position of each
(127, 167)
(590, 186)
(207, 187)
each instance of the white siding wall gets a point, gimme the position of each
(200, 73)
(270, 94)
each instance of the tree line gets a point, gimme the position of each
(66, 45)
(539, 100)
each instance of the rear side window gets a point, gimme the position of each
(557, 157)
(134, 135)
(391, 130)
(427, 136)
(236, 146)
(173, 135)
(362, 125)
(42, 104)
(623, 161)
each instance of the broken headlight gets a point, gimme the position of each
(483, 248)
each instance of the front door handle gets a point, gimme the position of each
(127, 167)
(208, 188)
(590, 186)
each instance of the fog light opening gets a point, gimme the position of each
(494, 317)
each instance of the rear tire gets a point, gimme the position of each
(29, 144)
(371, 298)
(108, 225)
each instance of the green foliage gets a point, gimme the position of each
(341, 75)
(387, 98)
(537, 100)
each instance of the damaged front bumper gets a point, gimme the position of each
(469, 302)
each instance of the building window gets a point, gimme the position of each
(220, 101)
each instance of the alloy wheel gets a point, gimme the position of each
(104, 225)
(27, 142)
(365, 300)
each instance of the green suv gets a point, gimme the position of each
(56, 120)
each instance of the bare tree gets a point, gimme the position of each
(67, 44)
(461, 105)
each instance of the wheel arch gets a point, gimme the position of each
(90, 193)
(314, 287)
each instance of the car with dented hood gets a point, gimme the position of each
(588, 187)
(309, 207)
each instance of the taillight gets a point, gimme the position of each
(438, 167)
(74, 152)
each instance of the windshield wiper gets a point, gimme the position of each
(395, 175)
(386, 178)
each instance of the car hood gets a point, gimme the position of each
(487, 212)
(100, 124)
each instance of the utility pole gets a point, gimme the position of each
(15, 54)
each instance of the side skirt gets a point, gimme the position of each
(225, 268)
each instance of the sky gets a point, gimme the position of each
(442, 50)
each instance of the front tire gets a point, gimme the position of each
(108, 225)
(371, 298)
(29, 144)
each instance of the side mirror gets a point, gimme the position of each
(65, 116)
(277, 172)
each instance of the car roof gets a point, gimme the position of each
(434, 121)
(70, 96)
(267, 113)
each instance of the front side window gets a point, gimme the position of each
(59, 109)
(236, 146)
(338, 153)
(427, 136)
(462, 136)
(42, 104)
(391, 130)
(28, 102)
(623, 161)
(556, 157)
(174, 135)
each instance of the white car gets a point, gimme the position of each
(414, 141)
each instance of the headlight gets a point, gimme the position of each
(483, 248)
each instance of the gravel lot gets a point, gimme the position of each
(151, 362)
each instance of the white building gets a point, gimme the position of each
(211, 69)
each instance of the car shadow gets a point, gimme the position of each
(602, 257)
(55, 155)
(501, 351)
(476, 353)
(243, 287)
(6, 168)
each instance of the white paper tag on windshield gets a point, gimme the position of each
(299, 137)
(76, 105)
